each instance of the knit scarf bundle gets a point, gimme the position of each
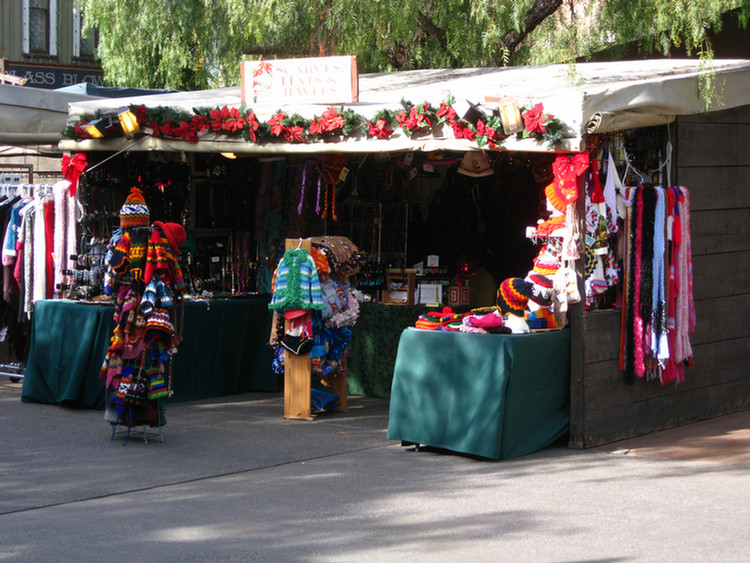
(658, 312)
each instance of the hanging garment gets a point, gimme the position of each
(297, 284)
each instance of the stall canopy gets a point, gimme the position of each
(33, 116)
(586, 97)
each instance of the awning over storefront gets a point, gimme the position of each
(587, 97)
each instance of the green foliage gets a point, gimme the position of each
(193, 44)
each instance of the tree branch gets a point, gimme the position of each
(540, 11)
(429, 26)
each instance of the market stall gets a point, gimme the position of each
(383, 172)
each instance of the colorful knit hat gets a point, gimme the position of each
(513, 295)
(134, 212)
(175, 234)
(547, 262)
(159, 326)
(541, 289)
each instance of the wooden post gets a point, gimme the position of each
(577, 435)
(297, 368)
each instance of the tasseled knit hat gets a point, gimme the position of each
(513, 295)
(134, 212)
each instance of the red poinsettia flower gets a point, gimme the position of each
(186, 131)
(167, 128)
(317, 127)
(484, 130)
(447, 112)
(218, 116)
(461, 131)
(332, 120)
(235, 121)
(534, 119)
(252, 125)
(199, 123)
(379, 130)
(293, 134)
(140, 113)
(277, 127)
(420, 119)
(154, 126)
(80, 133)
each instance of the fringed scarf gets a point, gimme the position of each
(60, 193)
(659, 345)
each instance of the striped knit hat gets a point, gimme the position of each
(541, 289)
(159, 326)
(134, 212)
(513, 295)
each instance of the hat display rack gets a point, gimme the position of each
(314, 309)
(144, 277)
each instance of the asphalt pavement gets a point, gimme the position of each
(233, 480)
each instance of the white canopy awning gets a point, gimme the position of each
(33, 116)
(587, 97)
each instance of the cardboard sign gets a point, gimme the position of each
(332, 80)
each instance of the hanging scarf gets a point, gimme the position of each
(659, 346)
(60, 191)
(637, 288)
(626, 317)
(308, 164)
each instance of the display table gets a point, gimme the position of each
(491, 395)
(223, 351)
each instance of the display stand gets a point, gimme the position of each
(298, 371)
(297, 367)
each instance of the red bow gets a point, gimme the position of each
(72, 168)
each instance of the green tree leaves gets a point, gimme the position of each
(193, 44)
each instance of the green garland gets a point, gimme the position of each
(334, 124)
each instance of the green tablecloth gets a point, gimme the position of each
(490, 395)
(223, 351)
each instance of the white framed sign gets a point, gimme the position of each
(333, 80)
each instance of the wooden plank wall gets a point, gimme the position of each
(712, 159)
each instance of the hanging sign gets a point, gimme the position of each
(332, 80)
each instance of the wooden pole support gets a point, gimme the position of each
(297, 368)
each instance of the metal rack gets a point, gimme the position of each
(15, 371)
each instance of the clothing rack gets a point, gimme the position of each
(43, 190)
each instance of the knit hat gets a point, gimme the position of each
(513, 295)
(541, 289)
(175, 234)
(134, 212)
(159, 326)
(547, 261)
(475, 164)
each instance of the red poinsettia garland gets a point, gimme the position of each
(335, 123)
